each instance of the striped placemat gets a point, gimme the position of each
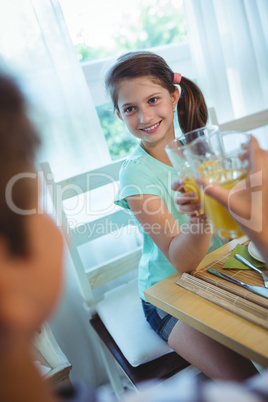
(239, 305)
(247, 276)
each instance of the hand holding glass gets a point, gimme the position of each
(175, 153)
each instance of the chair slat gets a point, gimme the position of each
(116, 267)
(247, 123)
(93, 230)
(90, 180)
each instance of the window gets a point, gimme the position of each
(102, 30)
(105, 28)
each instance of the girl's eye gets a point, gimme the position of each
(129, 109)
(153, 100)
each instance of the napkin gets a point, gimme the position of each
(233, 263)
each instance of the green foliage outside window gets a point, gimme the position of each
(160, 23)
(120, 142)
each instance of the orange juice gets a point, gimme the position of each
(190, 185)
(222, 221)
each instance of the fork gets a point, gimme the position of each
(246, 262)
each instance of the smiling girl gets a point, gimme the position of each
(145, 94)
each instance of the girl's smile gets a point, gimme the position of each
(146, 108)
(152, 128)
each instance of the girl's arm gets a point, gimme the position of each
(184, 247)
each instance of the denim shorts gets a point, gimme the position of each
(161, 322)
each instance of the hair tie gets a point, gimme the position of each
(176, 78)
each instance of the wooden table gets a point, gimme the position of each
(227, 328)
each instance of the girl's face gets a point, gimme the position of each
(147, 109)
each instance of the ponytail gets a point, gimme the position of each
(192, 109)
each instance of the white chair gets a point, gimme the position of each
(116, 314)
(50, 359)
(246, 123)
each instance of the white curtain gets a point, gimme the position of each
(229, 46)
(35, 47)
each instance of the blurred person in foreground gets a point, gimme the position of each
(31, 277)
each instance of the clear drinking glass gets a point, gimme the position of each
(175, 151)
(206, 131)
(219, 158)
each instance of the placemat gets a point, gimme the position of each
(232, 297)
(238, 305)
(247, 276)
(233, 263)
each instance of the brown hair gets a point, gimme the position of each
(18, 144)
(191, 108)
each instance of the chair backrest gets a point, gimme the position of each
(95, 225)
(246, 123)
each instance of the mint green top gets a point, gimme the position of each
(143, 174)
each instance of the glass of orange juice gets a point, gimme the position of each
(222, 159)
(175, 151)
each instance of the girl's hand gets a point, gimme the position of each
(186, 201)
